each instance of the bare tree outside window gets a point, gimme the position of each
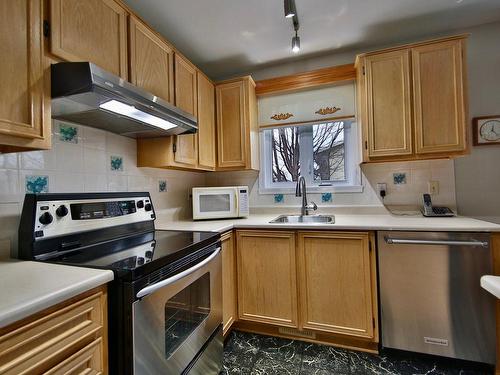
(286, 154)
(327, 153)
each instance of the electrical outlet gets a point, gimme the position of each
(382, 187)
(433, 187)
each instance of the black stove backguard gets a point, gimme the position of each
(49, 226)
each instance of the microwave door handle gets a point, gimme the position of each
(161, 284)
(236, 203)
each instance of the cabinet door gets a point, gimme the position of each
(186, 97)
(438, 90)
(206, 123)
(231, 119)
(336, 283)
(267, 287)
(90, 30)
(229, 309)
(388, 104)
(24, 102)
(151, 61)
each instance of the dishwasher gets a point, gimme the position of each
(430, 297)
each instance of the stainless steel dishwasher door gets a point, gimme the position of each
(430, 297)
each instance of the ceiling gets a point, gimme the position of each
(225, 37)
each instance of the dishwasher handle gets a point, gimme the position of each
(404, 241)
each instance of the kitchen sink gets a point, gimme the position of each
(310, 219)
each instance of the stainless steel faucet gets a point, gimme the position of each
(300, 191)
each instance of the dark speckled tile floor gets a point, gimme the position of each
(246, 353)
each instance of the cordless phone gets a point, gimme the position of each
(430, 211)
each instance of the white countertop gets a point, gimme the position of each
(29, 287)
(491, 284)
(343, 221)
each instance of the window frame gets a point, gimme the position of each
(352, 183)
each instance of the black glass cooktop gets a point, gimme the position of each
(136, 256)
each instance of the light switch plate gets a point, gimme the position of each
(433, 187)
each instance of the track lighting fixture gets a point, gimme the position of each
(290, 8)
(296, 43)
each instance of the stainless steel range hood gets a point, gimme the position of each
(85, 94)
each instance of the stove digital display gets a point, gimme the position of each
(100, 210)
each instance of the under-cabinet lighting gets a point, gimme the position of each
(126, 110)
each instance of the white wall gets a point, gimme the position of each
(85, 167)
(478, 175)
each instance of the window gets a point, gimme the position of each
(325, 153)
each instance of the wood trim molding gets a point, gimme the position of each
(310, 122)
(325, 76)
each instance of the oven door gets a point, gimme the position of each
(175, 317)
(215, 203)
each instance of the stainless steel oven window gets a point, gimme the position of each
(215, 202)
(199, 291)
(185, 312)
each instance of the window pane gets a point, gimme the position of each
(285, 153)
(329, 151)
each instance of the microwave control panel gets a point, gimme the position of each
(244, 209)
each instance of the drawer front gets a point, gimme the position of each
(47, 341)
(87, 361)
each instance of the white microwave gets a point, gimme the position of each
(220, 202)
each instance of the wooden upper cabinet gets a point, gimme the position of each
(90, 30)
(412, 101)
(24, 97)
(267, 285)
(388, 104)
(206, 123)
(185, 86)
(237, 129)
(438, 91)
(186, 98)
(337, 283)
(151, 61)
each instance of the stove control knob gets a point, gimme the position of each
(149, 254)
(140, 261)
(45, 218)
(62, 210)
(148, 207)
(140, 204)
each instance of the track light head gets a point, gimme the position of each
(296, 44)
(290, 10)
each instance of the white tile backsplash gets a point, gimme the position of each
(85, 166)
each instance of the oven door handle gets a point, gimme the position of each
(154, 287)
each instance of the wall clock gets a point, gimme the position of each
(486, 130)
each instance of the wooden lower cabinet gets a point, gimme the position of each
(69, 338)
(229, 306)
(317, 286)
(336, 282)
(267, 277)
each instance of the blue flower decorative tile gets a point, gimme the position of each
(279, 198)
(162, 186)
(399, 178)
(68, 133)
(116, 163)
(37, 184)
(326, 197)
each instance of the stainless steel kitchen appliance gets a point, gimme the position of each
(165, 304)
(85, 94)
(430, 297)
